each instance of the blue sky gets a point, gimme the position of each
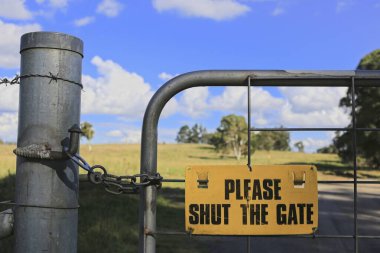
(133, 47)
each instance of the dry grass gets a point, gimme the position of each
(124, 159)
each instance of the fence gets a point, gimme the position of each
(352, 79)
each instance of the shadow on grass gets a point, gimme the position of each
(109, 223)
(206, 148)
(202, 157)
(322, 166)
(344, 170)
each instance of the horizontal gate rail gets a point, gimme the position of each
(277, 78)
(324, 129)
(319, 181)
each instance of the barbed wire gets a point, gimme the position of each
(52, 77)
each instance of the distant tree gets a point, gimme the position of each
(330, 149)
(367, 111)
(216, 139)
(253, 145)
(299, 145)
(183, 134)
(87, 132)
(273, 141)
(196, 134)
(281, 140)
(232, 134)
(1, 141)
(265, 141)
(192, 135)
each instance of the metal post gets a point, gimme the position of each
(46, 213)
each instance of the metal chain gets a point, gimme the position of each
(52, 77)
(97, 174)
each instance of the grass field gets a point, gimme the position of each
(109, 223)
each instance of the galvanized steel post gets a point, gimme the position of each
(46, 213)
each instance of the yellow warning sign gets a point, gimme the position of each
(267, 200)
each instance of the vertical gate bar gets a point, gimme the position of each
(249, 123)
(249, 146)
(46, 212)
(354, 150)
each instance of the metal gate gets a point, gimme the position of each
(352, 79)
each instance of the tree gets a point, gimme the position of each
(299, 145)
(231, 135)
(273, 141)
(330, 149)
(183, 134)
(367, 111)
(196, 134)
(265, 141)
(87, 132)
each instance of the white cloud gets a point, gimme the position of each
(333, 117)
(278, 11)
(313, 107)
(10, 42)
(130, 134)
(166, 76)
(54, 3)
(84, 21)
(110, 8)
(299, 107)
(58, 3)
(212, 9)
(306, 99)
(14, 9)
(235, 99)
(126, 135)
(342, 5)
(8, 126)
(115, 91)
(194, 102)
(9, 96)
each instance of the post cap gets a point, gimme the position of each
(51, 40)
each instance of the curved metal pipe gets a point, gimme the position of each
(147, 241)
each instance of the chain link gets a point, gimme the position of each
(97, 174)
(52, 77)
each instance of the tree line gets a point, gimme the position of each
(232, 137)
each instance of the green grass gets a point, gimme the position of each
(109, 223)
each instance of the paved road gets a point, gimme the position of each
(335, 218)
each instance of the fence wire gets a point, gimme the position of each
(52, 77)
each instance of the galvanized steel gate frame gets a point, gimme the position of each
(277, 78)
